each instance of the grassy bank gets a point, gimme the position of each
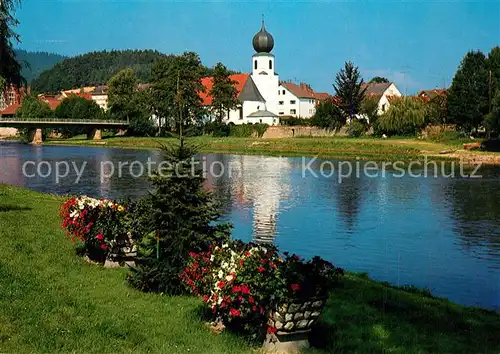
(52, 301)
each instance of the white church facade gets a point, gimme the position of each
(263, 98)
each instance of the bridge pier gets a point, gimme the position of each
(35, 136)
(94, 134)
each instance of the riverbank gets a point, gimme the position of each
(53, 301)
(393, 149)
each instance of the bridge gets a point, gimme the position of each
(35, 125)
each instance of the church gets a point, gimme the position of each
(263, 97)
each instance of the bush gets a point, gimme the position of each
(356, 129)
(248, 130)
(328, 116)
(217, 129)
(292, 121)
(241, 282)
(405, 116)
(99, 224)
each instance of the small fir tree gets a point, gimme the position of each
(349, 89)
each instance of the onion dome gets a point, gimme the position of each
(263, 42)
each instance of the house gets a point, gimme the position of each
(262, 97)
(429, 95)
(12, 95)
(382, 92)
(100, 96)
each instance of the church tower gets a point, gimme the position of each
(263, 73)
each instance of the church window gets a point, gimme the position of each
(281, 113)
(260, 120)
(270, 64)
(255, 64)
(292, 102)
(241, 112)
(281, 102)
(283, 91)
(279, 92)
(293, 111)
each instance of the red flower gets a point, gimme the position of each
(234, 313)
(251, 300)
(247, 253)
(236, 289)
(100, 237)
(295, 287)
(245, 289)
(240, 298)
(254, 308)
(205, 298)
(271, 329)
(241, 262)
(104, 246)
(192, 254)
(261, 269)
(221, 284)
(261, 309)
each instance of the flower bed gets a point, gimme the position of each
(100, 225)
(248, 286)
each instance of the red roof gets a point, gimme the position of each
(321, 95)
(52, 102)
(207, 82)
(10, 110)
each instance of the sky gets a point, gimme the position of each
(416, 44)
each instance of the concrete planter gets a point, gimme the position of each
(292, 322)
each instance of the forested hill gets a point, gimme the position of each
(95, 68)
(33, 63)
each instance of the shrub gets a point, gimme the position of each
(405, 116)
(99, 224)
(355, 129)
(240, 282)
(217, 129)
(248, 130)
(292, 121)
(328, 116)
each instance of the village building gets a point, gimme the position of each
(429, 95)
(262, 97)
(382, 92)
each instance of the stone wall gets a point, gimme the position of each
(7, 132)
(297, 131)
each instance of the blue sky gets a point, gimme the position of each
(417, 44)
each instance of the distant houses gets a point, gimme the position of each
(383, 93)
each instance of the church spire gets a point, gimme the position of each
(263, 41)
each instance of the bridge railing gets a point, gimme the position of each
(60, 120)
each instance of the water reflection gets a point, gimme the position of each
(440, 233)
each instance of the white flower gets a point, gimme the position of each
(225, 245)
(224, 265)
(229, 278)
(212, 257)
(73, 214)
(221, 273)
(219, 300)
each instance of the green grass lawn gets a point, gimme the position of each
(52, 301)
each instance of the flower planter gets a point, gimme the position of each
(290, 325)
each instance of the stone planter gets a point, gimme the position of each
(122, 255)
(292, 322)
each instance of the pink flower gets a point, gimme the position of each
(234, 313)
(104, 246)
(261, 269)
(295, 287)
(100, 237)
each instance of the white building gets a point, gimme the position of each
(382, 92)
(263, 98)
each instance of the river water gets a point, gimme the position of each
(439, 232)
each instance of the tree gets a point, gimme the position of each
(379, 80)
(74, 108)
(183, 217)
(494, 66)
(468, 94)
(121, 90)
(369, 107)
(224, 94)
(32, 107)
(178, 79)
(492, 121)
(10, 69)
(348, 88)
(328, 116)
(405, 116)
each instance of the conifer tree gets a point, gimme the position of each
(10, 69)
(349, 90)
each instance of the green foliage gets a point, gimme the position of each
(379, 80)
(328, 116)
(406, 116)
(74, 108)
(34, 63)
(494, 65)
(95, 68)
(247, 130)
(492, 121)
(355, 129)
(178, 79)
(468, 94)
(10, 69)
(217, 129)
(369, 107)
(438, 109)
(32, 107)
(348, 88)
(224, 94)
(183, 216)
(293, 121)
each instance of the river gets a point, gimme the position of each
(440, 233)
